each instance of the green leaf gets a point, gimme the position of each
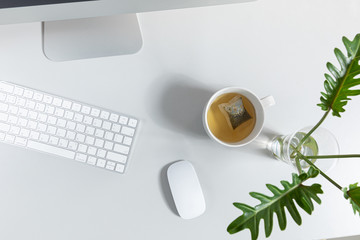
(339, 86)
(354, 195)
(281, 199)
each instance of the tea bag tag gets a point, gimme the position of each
(234, 111)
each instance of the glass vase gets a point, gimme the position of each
(321, 142)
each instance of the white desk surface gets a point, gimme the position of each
(277, 47)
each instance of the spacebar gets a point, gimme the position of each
(51, 149)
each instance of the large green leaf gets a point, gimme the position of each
(303, 196)
(339, 86)
(354, 195)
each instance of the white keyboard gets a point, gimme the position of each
(36, 120)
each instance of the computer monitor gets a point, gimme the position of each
(77, 29)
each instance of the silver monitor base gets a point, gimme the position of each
(91, 37)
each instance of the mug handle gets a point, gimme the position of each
(267, 101)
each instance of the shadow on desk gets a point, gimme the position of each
(177, 102)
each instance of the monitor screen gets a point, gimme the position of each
(24, 3)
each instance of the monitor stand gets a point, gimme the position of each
(91, 37)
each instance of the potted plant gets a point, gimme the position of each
(301, 149)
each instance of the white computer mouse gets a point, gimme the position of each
(186, 190)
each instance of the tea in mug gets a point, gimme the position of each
(231, 117)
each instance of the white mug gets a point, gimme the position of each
(259, 105)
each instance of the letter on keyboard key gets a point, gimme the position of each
(51, 149)
(116, 157)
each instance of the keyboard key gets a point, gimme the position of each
(116, 157)
(85, 109)
(128, 131)
(61, 132)
(63, 143)
(82, 148)
(66, 104)
(59, 112)
(22, 122)
(49, 109)
(53, 140)
(80, 157)
(48, 99)
(2, 96)
(108, 145)
(123, 120)
(97, 123)
(28, 93)
(20, 141)
(30, 104)
(89, 140)
(95, 112)
(121, 149)
(127, 141)
(101, 153)
(118, 138)
(3, 116)
(57, 101)
(9, 138)
(106, 125)
(10, 99)
(116, 128)
(76, 107)
(5, 87)
(110, 165)
(120, 168)
(34, 135)
(3, 107)
(70, 125)
(18, 91)
(52, 120)
(61, 123)
(78, 117)
(80, 127)
(100, 163)
(14, 130)
(104, 115)
(99, 143)
(91, 160)
(40, 107)
(13, 110)
(90, 130)
(88, 120)
(80, 137)
(37, 96)
(50, 149)
(51, 130)
(92, 150)
(73, 145)
(132, 122)
(109, 135)
(114, 117)
(24, 133)
(69, 115)
(44, 137)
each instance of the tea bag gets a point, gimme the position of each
(234, 111)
